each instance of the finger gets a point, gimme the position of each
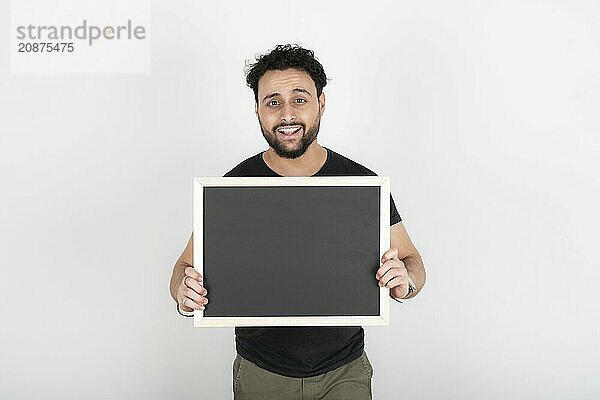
(185, 308)
(397, 280)
(192, 304)
(389, 254)
(384, 269)
(389, 275)
(191, 294)
(194, 285)
(190, 298)
(190, 271)
(399, 291)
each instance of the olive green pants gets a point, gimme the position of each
(351, 381)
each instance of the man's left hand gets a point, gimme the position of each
(393, 274)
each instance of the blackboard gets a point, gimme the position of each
(301, 251)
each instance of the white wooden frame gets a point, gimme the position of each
(199, 183)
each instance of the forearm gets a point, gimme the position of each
(416, 271)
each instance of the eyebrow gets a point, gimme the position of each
(301, 90)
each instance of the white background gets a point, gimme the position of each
(484, 115)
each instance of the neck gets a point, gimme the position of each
(307, 164)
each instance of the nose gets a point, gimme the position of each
(287, 113)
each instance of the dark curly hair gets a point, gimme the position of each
(282, 57)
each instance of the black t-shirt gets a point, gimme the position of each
(303, 351)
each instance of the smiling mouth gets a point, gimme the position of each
(289, 130)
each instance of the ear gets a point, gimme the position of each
(256, 108)
(322, 102)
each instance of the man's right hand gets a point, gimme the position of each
(193, 295)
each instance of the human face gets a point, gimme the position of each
(288, 111)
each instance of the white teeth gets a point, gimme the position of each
(289, 130)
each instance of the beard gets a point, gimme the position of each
(284, 151)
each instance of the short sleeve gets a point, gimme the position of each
(394, 216)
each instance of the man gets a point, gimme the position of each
(300, 362)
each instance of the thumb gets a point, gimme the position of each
(389, 254)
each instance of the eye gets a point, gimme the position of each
(300, 100)
(273, 103)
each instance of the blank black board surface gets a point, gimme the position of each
(291, 251)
